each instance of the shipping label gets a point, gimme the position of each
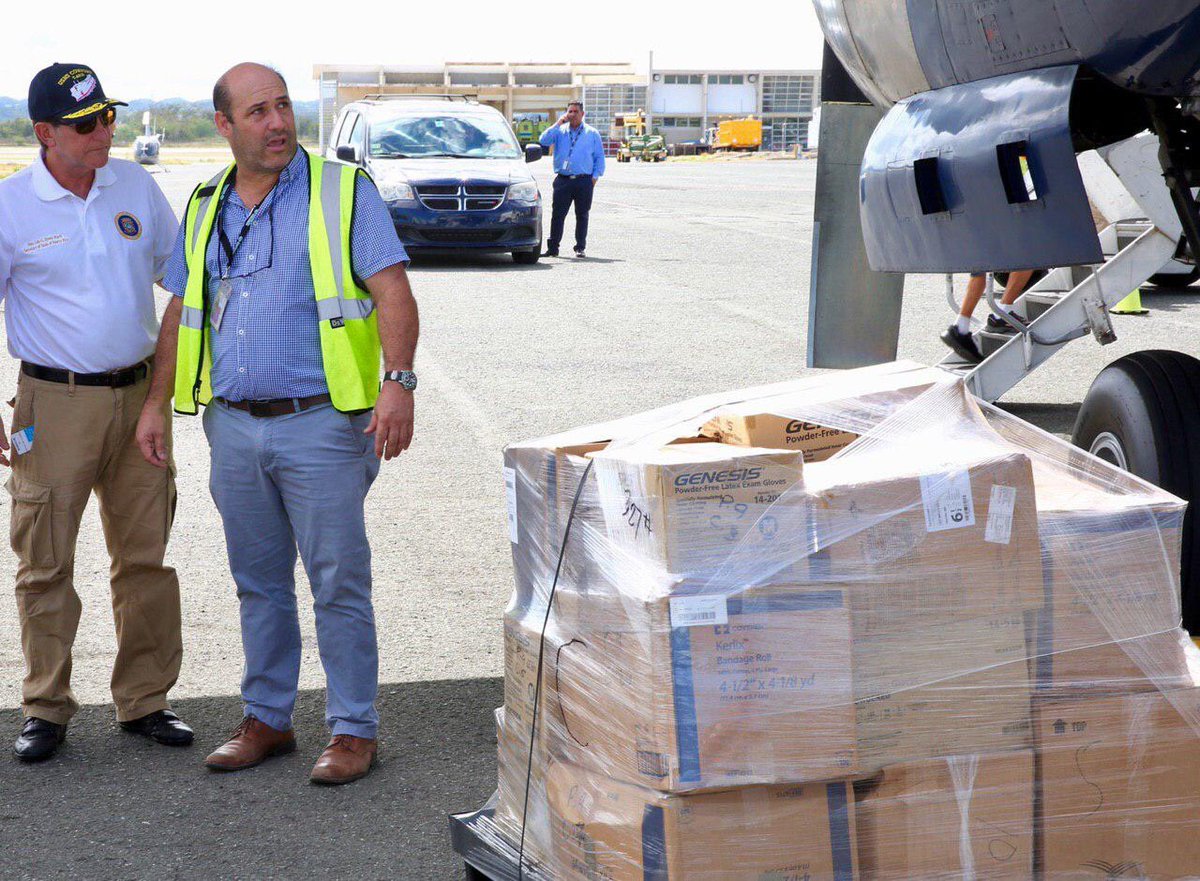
(947, 500)
(1000, 515)
(694, 611)
(510, 490)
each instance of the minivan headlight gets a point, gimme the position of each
(523, 192)
(396, 191)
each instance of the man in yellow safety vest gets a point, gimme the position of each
(290, 282)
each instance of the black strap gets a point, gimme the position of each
(232, 249)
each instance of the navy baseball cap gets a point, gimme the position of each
(67, 93)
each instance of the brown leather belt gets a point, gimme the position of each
(276, 407)
(112, 379)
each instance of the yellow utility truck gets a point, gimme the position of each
(736, 134)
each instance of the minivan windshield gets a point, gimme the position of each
(474, 136)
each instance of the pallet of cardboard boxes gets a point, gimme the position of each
(850, 627)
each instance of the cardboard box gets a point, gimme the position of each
(769, 431)
(541, 480)
(620, 832)
(522, 638)
(931, 549)
(1112, 608)
(1119, 782)
(697, 691)
(706, 510)
(949, 818)
(820, 420)
(939, 692)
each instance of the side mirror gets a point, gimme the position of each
(348, 153)
(533, 152)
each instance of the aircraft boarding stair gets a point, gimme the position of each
(1125, 184)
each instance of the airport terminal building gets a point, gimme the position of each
(681, 104)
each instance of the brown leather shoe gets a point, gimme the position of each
(252, 741)
(346, 759)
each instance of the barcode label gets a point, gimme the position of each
(1000, 515)
(510, 491)
(947, 500)
(694, 611)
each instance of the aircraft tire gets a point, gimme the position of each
(1142, 414)
(1171, 280)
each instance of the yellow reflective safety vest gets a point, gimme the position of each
(349, 331)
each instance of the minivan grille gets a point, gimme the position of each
(461, 197)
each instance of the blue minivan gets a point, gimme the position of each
(451, 171)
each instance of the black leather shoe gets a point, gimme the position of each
(39, 740)
(164, 727)
(550, 252)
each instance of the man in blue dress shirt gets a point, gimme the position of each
(578, 164)
(289, 472)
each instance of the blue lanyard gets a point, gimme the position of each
(573, 135)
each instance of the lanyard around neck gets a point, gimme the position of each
(231, 249)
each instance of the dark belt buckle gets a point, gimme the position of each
(261, 409)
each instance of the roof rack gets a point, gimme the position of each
(466, 98)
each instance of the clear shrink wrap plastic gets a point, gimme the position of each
(856, 626)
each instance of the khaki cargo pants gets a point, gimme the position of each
(84, 442)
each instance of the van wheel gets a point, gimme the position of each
(526, 258)
(1142, 414)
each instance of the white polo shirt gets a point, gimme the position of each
(77, 275)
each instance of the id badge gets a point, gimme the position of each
(224, 291)
(566, 165)
(22, 441)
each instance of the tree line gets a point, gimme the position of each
(183, 124)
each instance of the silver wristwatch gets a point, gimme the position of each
(406, 378)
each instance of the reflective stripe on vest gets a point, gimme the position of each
(350, 349)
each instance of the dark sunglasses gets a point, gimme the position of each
(105, 117)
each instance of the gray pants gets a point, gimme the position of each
(293, 482)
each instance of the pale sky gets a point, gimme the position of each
(164, 50)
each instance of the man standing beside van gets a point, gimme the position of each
(578, 165)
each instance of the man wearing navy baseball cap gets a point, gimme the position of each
(83, 239)
(69, 94)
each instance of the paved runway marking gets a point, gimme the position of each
(467, 405)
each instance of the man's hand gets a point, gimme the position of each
(595, 181)
(3, 445)
(152, 435)
(561, 119)
(392, 421)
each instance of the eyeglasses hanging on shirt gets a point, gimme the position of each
(216, 311)
(230, 249)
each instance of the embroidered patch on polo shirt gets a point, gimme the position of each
(128, 225)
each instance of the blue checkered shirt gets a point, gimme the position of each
(269, 345)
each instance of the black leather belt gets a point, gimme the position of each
(276, 407)
(112, 379)
(574, 176)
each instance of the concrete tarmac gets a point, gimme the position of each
(696, 281)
